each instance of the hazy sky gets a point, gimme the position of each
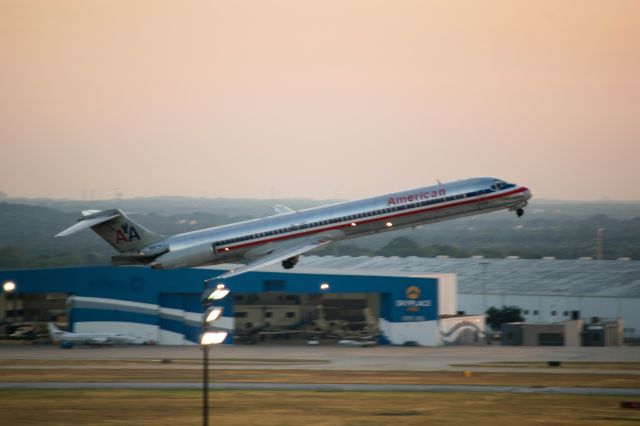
(318, 99)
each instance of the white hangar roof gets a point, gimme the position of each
(604, 278)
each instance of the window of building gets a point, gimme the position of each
(240, 314)
(535, 312)
(553, 313)
(291, 314)
(550, 339)
(565, 313)
(268, 314)
(526, 312)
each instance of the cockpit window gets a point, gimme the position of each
(498, 185)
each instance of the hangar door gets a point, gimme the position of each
(300, 317)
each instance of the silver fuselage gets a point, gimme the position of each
(351, 219)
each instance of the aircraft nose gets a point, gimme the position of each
(526, 194)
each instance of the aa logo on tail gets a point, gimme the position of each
(126, 234)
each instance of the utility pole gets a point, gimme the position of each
(599, 243)
(484, 265)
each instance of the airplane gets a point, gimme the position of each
(286, 235)
(67, 338)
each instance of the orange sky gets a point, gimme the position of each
(318, 99)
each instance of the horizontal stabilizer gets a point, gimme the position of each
(86, 224)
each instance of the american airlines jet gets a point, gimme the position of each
(289, 233)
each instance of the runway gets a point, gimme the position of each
(387, 358)
(327, 387)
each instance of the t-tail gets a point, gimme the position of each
(116, 228)
(54, 331)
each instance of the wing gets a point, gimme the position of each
(282, 209)
(278, 255)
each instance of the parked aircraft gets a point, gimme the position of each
(286, 235)
(67, 338)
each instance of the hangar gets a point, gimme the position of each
(164, 305)
(547, 290)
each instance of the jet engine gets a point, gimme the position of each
(290, 262)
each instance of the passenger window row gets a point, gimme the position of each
(352, 217)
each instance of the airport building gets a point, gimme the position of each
(567, 333)
(311, 303)
(422, 301)
(547, 290)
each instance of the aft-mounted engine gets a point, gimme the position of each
(196, 255)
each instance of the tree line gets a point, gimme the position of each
(563, 231)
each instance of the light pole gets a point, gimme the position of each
(484, 265)
(9, 287)
(211, 335)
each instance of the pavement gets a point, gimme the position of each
(327, 387)
(389, 358)
(329, 357)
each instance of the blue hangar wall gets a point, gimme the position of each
(164, 305)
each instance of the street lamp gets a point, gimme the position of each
(9, 287)
(211, 335)
(213, 313)
(213, 338)
(219, 292)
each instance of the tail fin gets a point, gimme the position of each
(115, 228)
(53, 330)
